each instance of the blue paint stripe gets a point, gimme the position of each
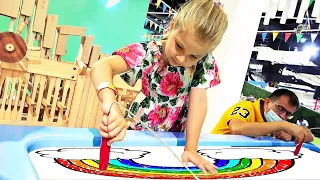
(232, 163)
(222, 163)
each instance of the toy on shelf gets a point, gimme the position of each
(37, 86)
(12, 49)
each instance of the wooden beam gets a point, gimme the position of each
(43, 66)
(10, 9)
(71, 30)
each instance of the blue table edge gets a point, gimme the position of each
(17, 141)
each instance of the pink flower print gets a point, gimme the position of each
(152, 46)
(181, 100)
(158, 115)
(174, 116)
(157, 57)
(216, 69)
(171, 122)
(161, 64)
(148, 70)
(216, 77)
(170, 84)
(145, 86)
(178, 127)
(211, 72)
(184, 98)
(145, 82)
(140, 112)
(133, 54)
(153, 94)
(160, 68)
(215, 81)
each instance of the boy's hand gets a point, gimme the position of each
(300, 133)
(196, 159)
(282, 135)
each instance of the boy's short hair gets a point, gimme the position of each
(293, 98)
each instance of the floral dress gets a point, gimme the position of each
(162, 103)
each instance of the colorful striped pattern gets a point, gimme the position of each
(226, 168)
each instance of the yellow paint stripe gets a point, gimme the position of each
(91, 163)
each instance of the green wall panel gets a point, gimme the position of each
(112, 27)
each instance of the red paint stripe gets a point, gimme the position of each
(81, 167)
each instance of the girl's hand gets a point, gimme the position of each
(196, 159)
(113, 125)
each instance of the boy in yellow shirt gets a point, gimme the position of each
(263, 117)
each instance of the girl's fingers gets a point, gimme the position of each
(119, 137)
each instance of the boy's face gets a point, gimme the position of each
(184, 48)
(281, 106)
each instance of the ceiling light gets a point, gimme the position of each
(311, 50)
(111, 3)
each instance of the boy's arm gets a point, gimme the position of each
(196, 115)
(238, 127)
(242, 122)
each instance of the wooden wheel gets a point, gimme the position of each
(12, 48)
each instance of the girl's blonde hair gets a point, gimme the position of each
(204, 17)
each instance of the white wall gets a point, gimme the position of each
(233, 57)
(301, 58)
(306, 98)
(309, 78)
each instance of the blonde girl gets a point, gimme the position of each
(175, 73)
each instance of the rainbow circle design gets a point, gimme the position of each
(128, 168)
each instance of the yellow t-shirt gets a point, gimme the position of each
(245, 111)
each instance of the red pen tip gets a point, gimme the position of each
(104, 154)
(298, 147)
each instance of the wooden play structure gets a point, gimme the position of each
(37, 87)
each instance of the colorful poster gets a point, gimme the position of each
(158, 163)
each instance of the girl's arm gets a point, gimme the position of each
(103, 71)
(196, 115)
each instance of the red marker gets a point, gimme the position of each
(104, 154)
(298, 147)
